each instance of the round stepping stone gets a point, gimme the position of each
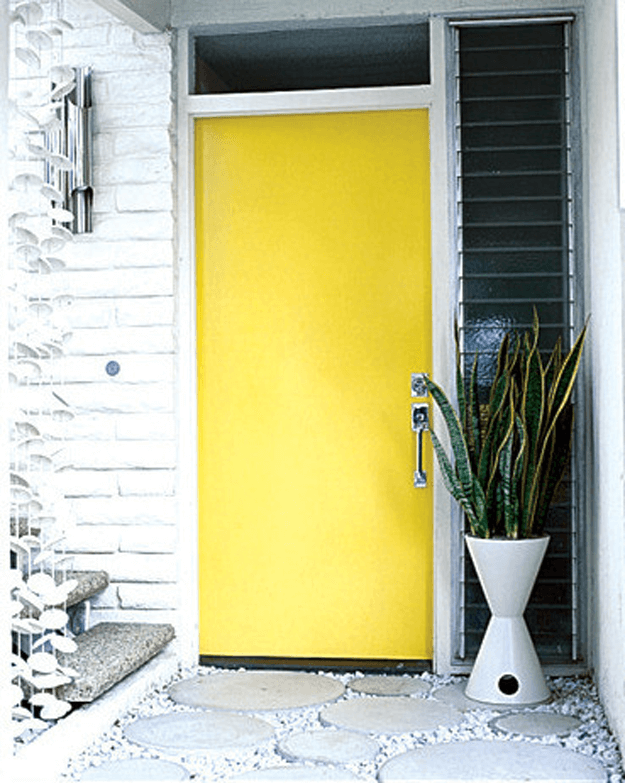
(297, 772)
(537, 724)
(256, 691)
(391, 715)
(198, 731)
(136, 769)
(482, 760)
(454, 695)
(391, 685)
(328, 745)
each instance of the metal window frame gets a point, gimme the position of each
(573, 296)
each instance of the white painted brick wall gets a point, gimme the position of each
(120, 448)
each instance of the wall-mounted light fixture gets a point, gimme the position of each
(70, 142)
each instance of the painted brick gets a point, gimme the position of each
(136, 369)
(85, 539)
(142, 225)
(139, 198)
(133, 616)
(146, 58)
(124, 254)
(88, 36)
(131, 88)
(86, 483)
(106, 599)
(122, 340)
(145, 311)
(91, 313)
(163, 596)
(104, 196)
(145, 143)
(129, 567)
(87, 14)
(145, 426)
(132, 453)
(146, 282)
(114, 397)
(125, 511)
(89, 426)
(146, 482)
(115, 172)
(148, 114)
(157, 539)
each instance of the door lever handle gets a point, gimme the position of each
(420, 423)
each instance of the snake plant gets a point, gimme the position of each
(509, 452)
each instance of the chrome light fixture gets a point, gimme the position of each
(69, 142)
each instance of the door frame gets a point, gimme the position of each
(191, 107)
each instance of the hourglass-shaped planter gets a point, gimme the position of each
(507, 669)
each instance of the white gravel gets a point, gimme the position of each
(575, 696)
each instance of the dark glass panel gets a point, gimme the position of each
(490, 288)
(508, 36)
(510, 86)
(507, 135)
(508, 186)
(507, 262)
(503, 162)
(517, 237)
(512, 210)
(521, 110)
(543, 58)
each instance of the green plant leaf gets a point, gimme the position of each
(452, 484)
(456, 437)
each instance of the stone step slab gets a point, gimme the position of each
(482, 761)
(90, 583)
(107, 653)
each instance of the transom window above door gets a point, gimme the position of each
(346, 56)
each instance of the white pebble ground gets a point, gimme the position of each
(572, 696)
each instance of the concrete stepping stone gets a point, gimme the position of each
(537, 724)
(136, 769)
(391, 715)
(330, 746)
(297, 772)
(198, 731)
(454, 695)
(483, 760)
(256, 690)
(389, 685)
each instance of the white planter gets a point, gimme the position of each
(507, 669)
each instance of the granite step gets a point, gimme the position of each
(107, 653)
(90, 583)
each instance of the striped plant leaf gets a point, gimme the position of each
(509, 454)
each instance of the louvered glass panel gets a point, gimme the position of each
(515, 248)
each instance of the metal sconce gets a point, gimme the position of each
(69, 168)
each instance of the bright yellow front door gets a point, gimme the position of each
(314, 308)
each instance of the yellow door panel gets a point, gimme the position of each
(314, 307)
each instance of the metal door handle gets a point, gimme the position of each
(420, 423)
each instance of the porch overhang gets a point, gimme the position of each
(145, 16)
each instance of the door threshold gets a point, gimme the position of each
(380, 666)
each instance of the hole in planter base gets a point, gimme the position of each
(508, 684)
